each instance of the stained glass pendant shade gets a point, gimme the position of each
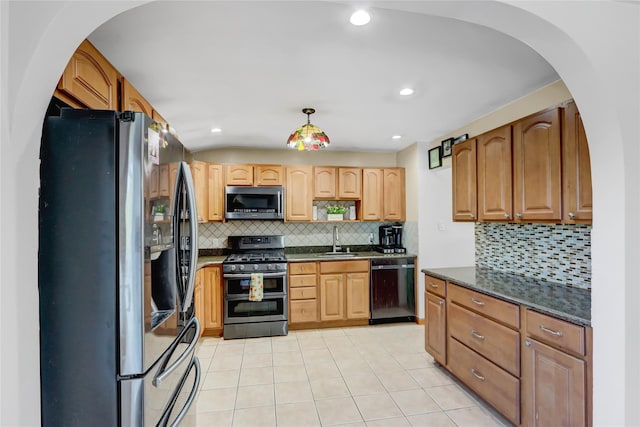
(308, 137)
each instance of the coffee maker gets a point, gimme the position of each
(386, 239)
(396, 230)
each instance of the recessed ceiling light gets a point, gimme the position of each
(216, 130)
(406, 91)
(396, 137)
(359, 18)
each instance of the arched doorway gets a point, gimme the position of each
(35, 49)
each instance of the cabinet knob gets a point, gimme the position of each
(472, 216)
(572, 215)
(506, 216)
(441, 302)
(527, 343)
(518, 215)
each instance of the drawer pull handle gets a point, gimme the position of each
(433, 285)
(475, 301)
(477, 375)
(551, 331)
(477, 335)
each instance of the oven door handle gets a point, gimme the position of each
(248, 275)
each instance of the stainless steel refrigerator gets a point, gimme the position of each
(117, 259)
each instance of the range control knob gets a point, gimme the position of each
(270, 267)
(255, 266)
(232, 267)
(241, 267)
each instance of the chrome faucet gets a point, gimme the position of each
(336, 239)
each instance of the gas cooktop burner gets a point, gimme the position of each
(277, 256)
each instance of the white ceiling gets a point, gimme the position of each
(250, 67)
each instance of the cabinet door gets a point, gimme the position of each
(153, 182)
(372, 188)
(268, 175)
(394, 195)
(239, 175)
(212, 298)
(331, 296)
(536, 167)
(298, 193)
(133, 101)
(554, 387)
(324, 182)
(349, 183)
(164, 188)
(357, 298)
(463, 166)
(436, 328)
(199, 172)
(90, 79)
(198, 299)
(576, 169)
(215, 192)
(495, 176)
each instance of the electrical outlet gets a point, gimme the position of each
(371, 238)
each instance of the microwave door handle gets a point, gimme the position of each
(164, 373)
(192, 394)
(279, 202)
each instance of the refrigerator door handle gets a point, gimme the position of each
(163, 372)
(192, 394)
(193, 234)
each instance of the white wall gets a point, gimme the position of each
(595, 48)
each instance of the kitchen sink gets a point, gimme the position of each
(337, 254)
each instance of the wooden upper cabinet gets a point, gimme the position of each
(372, 193)
(133, 101)
(576, 169)
(268, 175)
(164, 182)
(299, 193)
(158, 118)
(199, 173)
(463, 161)
(394, 194)
(90, 79)
(536, 167)
(173, 176)
(239, 174)
(215, 192)
(349, 183)
(324, 182)
(495, 175)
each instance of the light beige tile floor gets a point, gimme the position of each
(362, 376)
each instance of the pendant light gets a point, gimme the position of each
(308, 137)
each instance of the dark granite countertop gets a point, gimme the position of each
(564, 302)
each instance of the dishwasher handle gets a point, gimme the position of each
(392, 267)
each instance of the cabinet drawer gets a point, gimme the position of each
(496, 342)
(302, 280)
(303, 311)
(302, 268)
(493, 384)
(561, 334)
(303, 293)
(495, 308)
(435, 286)
(344, 266)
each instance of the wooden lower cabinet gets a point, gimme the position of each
(357, 298)
(332, 297)
(207, 296)
(493, 384)
(435, 328)
(554, 389)
(533, 368)
(303, 293)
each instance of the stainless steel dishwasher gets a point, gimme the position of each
(392, 290)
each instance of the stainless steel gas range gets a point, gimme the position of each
(252, 256)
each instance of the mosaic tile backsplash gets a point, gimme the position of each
(551, 252)
(213, 235)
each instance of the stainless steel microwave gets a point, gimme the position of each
(254, 202)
